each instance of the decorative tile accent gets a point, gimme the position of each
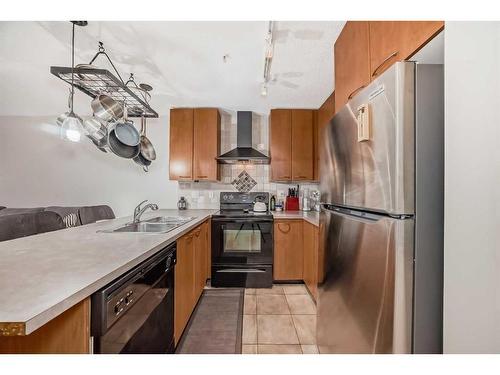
(244, 182)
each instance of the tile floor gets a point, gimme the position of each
(280, 320)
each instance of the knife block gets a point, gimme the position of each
(292, 204)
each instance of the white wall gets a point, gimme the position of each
(472, 183)
(37, 168)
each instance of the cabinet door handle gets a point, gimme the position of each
(184, 176)
(284, 177)
(201, 176)
(375, 72)
(284, 231)
(300, 177)
(355, 92)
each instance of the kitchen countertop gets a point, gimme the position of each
(42, 276)
(309, 216)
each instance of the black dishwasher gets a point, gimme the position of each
(135, 313)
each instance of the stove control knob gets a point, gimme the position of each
(231, 196)
(224, 197)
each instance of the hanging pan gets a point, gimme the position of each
(121, 149)
(147, 149)
(105, 108)
(125, 131)
(100, 138)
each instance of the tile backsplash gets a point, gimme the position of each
(206, 194)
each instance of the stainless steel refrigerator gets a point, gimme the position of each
(381, 222)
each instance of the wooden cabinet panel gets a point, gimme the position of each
(352, 61)
(206, 144)
(288, 250)
(325, 113)
(416, 34)
(200, 240)
(190, 274)
(280, 144)
(311, 258)
(392, 41)
(68, 333)
(302, 144)
(181, 144)
(184, 296)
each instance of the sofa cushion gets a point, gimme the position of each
(27, 224)
(91, 214)
(16, 211)
(69, 215)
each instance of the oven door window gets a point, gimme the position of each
(242, 239)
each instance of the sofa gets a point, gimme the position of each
(22, 222)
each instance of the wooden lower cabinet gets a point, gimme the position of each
(310, 273)
(288, 250)
(184, 284)
(296, 253)
(190, 275)
(68, 333)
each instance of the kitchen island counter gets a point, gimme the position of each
(42, 276)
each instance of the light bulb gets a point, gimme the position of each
(72, 128)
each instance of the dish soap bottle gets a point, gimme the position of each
(182, 204)
(272, 204)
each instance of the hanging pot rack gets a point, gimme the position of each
(94, 81)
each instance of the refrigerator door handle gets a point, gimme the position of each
(363, 217)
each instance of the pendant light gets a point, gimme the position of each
(72, 125)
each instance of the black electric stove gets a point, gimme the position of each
(242, 242)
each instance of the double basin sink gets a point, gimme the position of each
(160, 224)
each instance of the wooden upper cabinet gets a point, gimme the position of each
(194, 144)
(392, 41)
(302, 144)
(206, 144)
(181, 144)
(280, 144)
(352, 61)
(324, 115)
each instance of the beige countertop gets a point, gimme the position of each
(42, 276)
(309, 216)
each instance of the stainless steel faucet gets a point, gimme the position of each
(138, 211)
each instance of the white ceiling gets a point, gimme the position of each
(183, 61)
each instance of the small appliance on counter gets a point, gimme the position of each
(306, 205)
(242, 241)
(292, 200)
(272, 203)
(315, 201)
(182, 204)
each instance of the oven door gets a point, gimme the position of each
(242, 241)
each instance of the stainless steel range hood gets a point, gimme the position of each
(243, 153)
